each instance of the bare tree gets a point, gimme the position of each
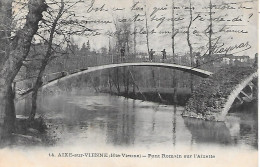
(190, 45)
(210, 28)
(123, 40)
(16, 53)
(134, 54)
(174, 74)
(173, 31)
(56, 28)
(44, 62)
(188, 36)
(147, 33)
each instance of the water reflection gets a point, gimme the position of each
(120, 129)
(174, 117)
(109, 120)
(208, 132)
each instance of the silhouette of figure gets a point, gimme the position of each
(151, 56)
(122, 51)
(198, 59)
(256, 60)
(163, 55)
(197, 62)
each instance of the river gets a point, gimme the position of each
(102, 119)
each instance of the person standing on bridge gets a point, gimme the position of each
(197, 57)
(197, 63)
(122, 52)
(256, 60)
(163, 55)
(151, 56)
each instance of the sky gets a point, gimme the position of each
(234, 24)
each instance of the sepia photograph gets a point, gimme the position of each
(128, 83)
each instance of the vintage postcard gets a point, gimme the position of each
(127, 83)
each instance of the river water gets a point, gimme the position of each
(102, 119)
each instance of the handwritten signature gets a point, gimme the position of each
(221, 48)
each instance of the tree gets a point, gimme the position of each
(56, 27)
(173, 32)
(85, 48)
(210, 29)
(190, 46)
(174, 74)
(19, 46)
(88, 46)
(147, 33)
(188, 36)
(44, 62)
(123, 40)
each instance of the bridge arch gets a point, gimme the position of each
(235, 93)
(192, 70)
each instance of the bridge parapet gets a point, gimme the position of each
(227, 88)
(55, 78)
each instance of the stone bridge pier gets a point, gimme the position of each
(216, 95)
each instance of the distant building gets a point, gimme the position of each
(225, 59)
(240, 59)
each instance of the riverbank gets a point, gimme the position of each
(208, 99)
(158, 95)
(27, 133)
